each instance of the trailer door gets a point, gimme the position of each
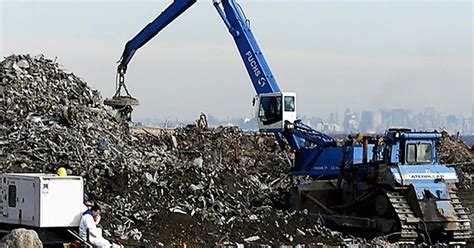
(12, 201)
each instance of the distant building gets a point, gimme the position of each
(466, 127)
(442, 121)
(430, 119)
(377, 122)
(371, 122)
(351, 123)
(366, 122)
(453, 125)
(327, 127)
(334, 118)
(399, 118)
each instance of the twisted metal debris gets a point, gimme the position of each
(191, 185)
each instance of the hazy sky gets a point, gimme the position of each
(335, 54)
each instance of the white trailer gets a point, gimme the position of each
(47, 203)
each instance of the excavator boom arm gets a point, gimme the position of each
(255, 63)
(153, 28)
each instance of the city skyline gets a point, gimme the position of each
(348, 121)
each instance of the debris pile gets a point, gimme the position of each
(455, 152)
(190, 185)
(49, 117)
(216, 186)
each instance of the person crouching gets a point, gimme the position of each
(88, 229)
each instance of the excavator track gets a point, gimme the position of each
(408, 221)
(463, 233)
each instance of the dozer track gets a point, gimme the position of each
(406, 217)
(463, 233)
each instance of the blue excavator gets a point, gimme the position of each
(392, 184)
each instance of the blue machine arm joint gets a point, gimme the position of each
(232, 31)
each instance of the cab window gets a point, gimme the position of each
(289, 104)
(411, 153)
(270, 109)
(419, 153)
(423, 153)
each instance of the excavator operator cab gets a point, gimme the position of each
(408, 147)
(273, 109)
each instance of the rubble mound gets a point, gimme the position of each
(20, 238)
(49, 117)
(454, 152)
(189, 185)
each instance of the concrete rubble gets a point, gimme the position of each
(191, 185)
(20, 238)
